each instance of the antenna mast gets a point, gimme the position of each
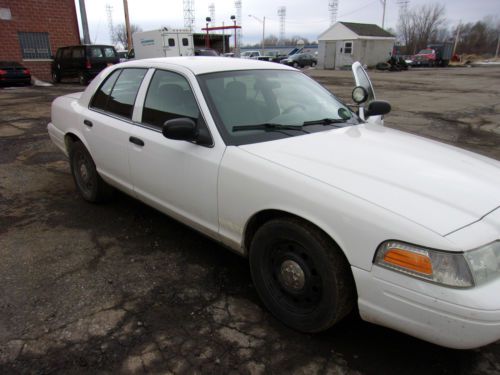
(282, 16)
(333, 8)
(189, 19)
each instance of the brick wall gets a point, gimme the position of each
(55, 17)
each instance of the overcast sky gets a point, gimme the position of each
(307, 18)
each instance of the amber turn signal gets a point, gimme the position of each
(406, 259)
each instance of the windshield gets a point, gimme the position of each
(425, 52)
(252, 106)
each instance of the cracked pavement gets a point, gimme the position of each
(121, 288)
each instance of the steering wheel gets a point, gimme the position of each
(292, 107)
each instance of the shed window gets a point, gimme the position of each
(34, 45)
(171, 42)
(348, 47)
(185, 42)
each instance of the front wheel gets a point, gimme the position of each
(88, 182)
(56, 77)
(302, 277)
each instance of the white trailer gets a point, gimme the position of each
(163, 43)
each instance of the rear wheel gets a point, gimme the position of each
(300, 274)
(82, 78)
(88, 182)
(56, 76)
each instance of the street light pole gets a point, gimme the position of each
(263, 22)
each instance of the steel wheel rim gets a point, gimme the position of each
(294, 278)
(83, 171)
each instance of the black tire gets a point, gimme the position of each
(88, 182)
(322, 292)
(82, 79)
(56, 77)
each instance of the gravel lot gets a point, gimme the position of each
(121, 288)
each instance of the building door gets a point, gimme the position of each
(330, 52)
(344, 53)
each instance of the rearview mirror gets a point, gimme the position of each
(377, 108)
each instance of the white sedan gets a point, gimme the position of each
(332, 209)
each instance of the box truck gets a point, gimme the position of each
(165, 42)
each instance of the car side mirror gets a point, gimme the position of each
(377, 107)
(185, 129)
(181, 129)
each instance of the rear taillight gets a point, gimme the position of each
(88, 65)
(27, 72)
(2, 72)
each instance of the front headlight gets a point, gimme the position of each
(460, 270)
(484, 262)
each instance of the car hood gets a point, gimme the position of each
(438, 186)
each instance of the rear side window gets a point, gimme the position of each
(169, 96)
(100, 99)
(185, 42)
(122, 98)
(171, 42)
(96, 52)
(109, 52)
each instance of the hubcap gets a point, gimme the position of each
(292, 276)
(84, 172)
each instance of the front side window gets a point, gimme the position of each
(241, 101)
(169, 96)
(171, 42)
(96, 52)
(109, 52)
(117, 94)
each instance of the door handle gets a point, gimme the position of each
(88, 123)
(136, 141)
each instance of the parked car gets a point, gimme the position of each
(250, 54)
(332, 209)
(300, 60)
(205, 52)
(83, 62)
(12, 72)
(122, 55)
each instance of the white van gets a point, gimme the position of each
(163, 43)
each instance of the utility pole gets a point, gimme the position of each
(457, 36)
(383, 12)
(498, 46)
(85, 25)
(263, 33)
(130, 44)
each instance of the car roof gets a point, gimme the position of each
(206, 64)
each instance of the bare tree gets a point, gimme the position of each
(420, 25)
(120, 34)
(479, 37)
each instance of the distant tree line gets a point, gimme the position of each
(425, 24)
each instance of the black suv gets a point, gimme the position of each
(84, 62)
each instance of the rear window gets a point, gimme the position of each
(77, 52)
(66, 53)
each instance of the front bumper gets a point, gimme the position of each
(454, 318)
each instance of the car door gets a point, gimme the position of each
(108, 125)
(177, 177)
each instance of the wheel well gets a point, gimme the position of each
(69, 139)
(263, 217)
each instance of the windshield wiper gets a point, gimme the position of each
(267, 126)
(324, 121)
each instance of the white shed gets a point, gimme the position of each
(345, 42)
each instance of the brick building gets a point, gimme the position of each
(31, 31)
